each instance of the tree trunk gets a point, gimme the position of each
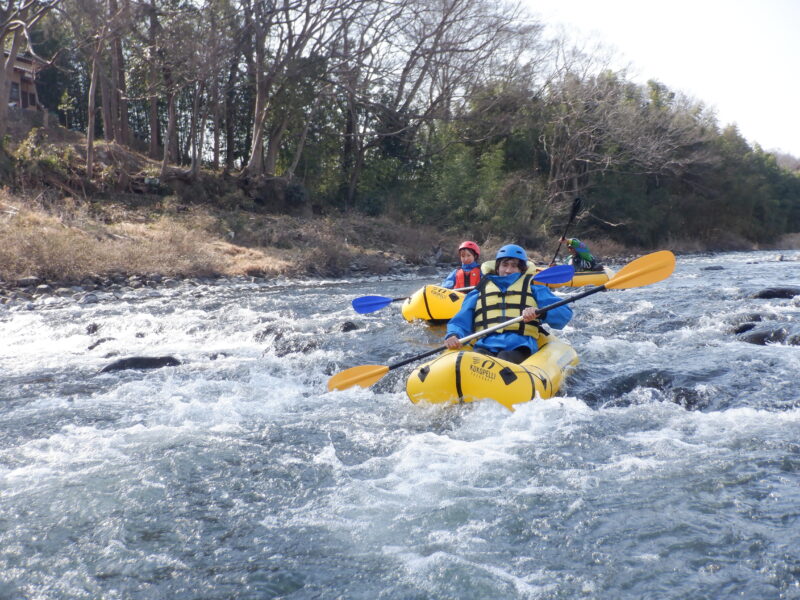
(197, 130)
(352, 183)
(110, 87)
(298, 151)
(105, 100)
(188, 140)
(349, 154)
(200, 141)
(215, 126)
(170, 133)
(91, 115)
(155, 130)
(274, 145)
(302, 141)
(255, 164)
(120, 92)
(230, 121)
(171, 139)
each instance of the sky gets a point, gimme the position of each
(740, 57)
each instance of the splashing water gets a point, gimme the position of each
(668, 466)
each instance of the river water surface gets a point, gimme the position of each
(668, 467)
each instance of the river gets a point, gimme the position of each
(667, 467)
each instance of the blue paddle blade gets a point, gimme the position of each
(556, 274)
(368, 304)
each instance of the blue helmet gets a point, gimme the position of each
(512, 251)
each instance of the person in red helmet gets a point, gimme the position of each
(469, 273)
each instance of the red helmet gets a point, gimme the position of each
(470, 246)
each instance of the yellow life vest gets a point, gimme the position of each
(494, 307)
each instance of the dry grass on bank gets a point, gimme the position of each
(67, 240)
(789, 241)
(44, 245)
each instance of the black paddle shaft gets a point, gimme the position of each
(402, 363)
(576, 207)
(589, 292)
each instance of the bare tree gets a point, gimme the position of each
(415, 63)
(206, 53)
(283, 33)
(119, 20)
(97, 47)
(92, 32)
(597, 121)
(155, 27)
(787, 161)
(173, 41)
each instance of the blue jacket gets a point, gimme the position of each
(450, 281)
(462, 323)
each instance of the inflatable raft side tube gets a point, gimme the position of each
(432, 303)
(465, 376)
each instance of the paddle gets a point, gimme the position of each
(576, 208)
(648, 269)
(556, 274)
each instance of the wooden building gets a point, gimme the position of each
(22, 91)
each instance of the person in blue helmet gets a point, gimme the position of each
(502, 296)
(469, 273)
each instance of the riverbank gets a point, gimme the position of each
(54, 246)
(125, 225)
(69, 242)
(60, 243)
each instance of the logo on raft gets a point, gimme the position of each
(434, 291)
(482, 368)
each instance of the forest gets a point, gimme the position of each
(463, 114)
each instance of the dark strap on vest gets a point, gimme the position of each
(483, 319)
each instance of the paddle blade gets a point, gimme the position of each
(368, 304)
(365, 376)
(645, 270)
(556, 274)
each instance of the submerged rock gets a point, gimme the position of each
(764, 335)
(294, 347)
(141, 362)
(744, 327)
(778, 292)
(95, 344)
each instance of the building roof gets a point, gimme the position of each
(27, 62)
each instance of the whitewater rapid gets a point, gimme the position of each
(666, 468)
